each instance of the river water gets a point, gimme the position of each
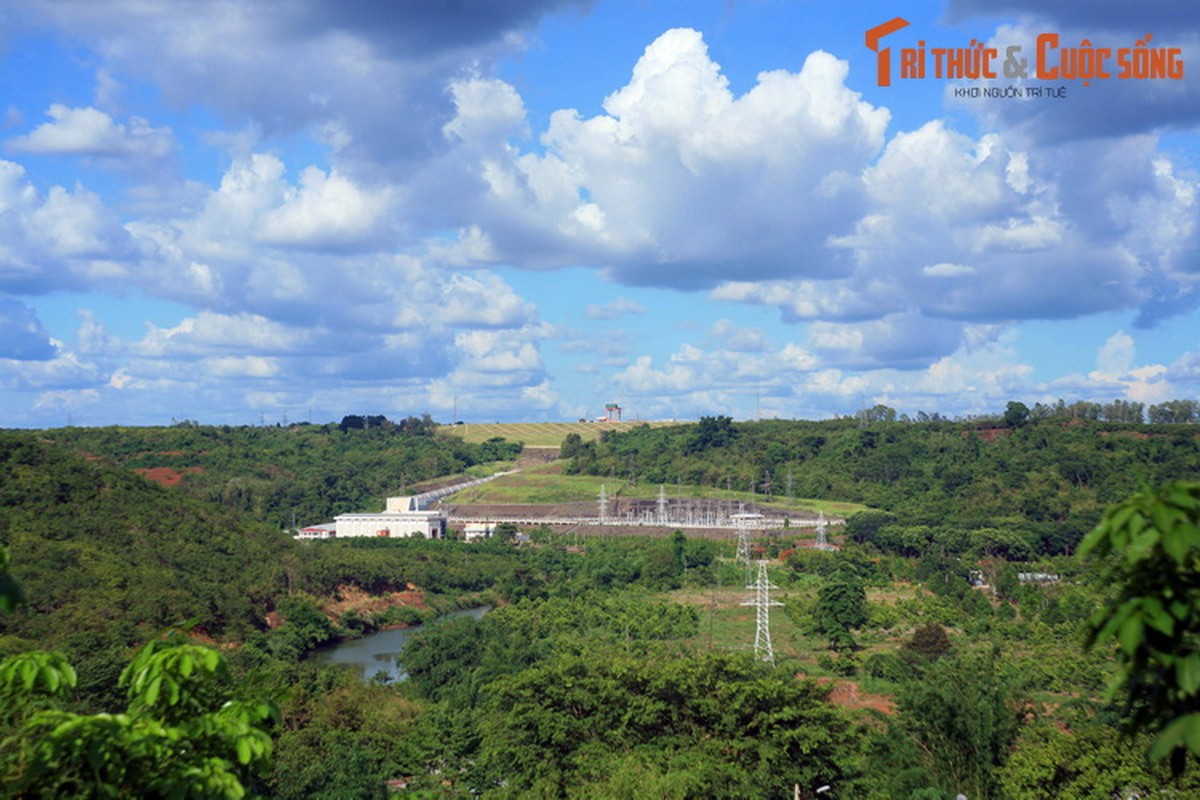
(376, 652)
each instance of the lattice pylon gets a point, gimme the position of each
(762, 602)
(743, 544)
(822, 537)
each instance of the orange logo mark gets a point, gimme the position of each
(1052, 61)
(883, 58)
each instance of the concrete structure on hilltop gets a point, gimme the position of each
(612, 413)
(402, 518)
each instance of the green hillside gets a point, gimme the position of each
(302, 473)
(101, 550)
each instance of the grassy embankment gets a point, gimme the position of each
(540, 434)
(545, 483)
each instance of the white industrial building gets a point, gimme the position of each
(474, 531)
(401, 519)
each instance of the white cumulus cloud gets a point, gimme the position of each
(91, 132)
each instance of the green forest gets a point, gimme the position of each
(1015, 615)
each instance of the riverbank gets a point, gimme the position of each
(375, 654)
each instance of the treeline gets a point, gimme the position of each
(302, 473)
(1170, 412)
(1031, 488)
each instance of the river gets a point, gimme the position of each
(376, 652)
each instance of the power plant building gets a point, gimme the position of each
(401, 519)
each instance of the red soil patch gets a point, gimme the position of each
(847, 695)
(352, 598)
(165, 475)
(988, 434)
(1139, 435)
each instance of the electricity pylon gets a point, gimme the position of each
(743, 545)
(762, 602)
(822, 538)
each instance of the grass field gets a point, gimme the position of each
(726, 624)
(540, 434)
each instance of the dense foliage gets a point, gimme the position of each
(99, 549)
(608, 667)
(1152, 541)
(1035, 487)
(183, 733)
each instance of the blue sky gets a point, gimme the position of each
(239, 212)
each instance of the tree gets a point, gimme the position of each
(507, 531)
(877, 413)
(841, 607)
(11, 595)
(1085, 758)
(352, 422)
(1175, 412)
(864, 526)
(1015, 414)
(1123, 411)
(1150, 544)
(705, 725)
(962, 714)
(344, 741)
(571, 446)
(943, 575)
(711, 432)
(183, 733)
(929, 641)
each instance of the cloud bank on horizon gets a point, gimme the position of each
(213, 212)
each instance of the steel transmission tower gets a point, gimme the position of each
(603, 504)
(762, 603)
(744, 521)
(743, 543)
(822, 538)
